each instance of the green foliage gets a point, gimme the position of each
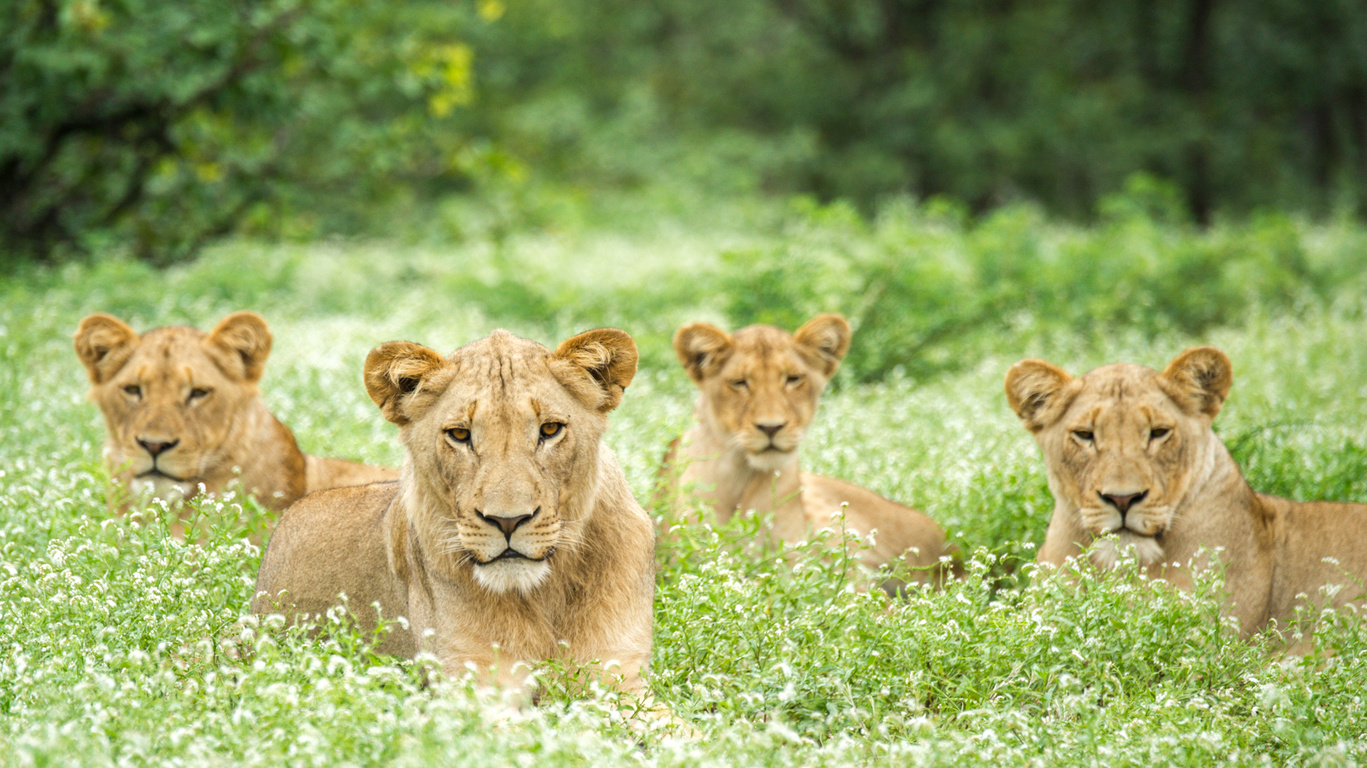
(165, 124)
(919, 283)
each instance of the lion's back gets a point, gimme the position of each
(328, 544)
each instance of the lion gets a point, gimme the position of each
(1134, 464)
(182, 410)
(511, 536)
(759, 391)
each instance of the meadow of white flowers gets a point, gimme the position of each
(121, 645)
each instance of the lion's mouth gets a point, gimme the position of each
(513, 554)
(773, 448)
(154, 472)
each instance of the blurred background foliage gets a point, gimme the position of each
(156, 126)
(1238, 105)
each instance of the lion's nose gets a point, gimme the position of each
(770, 428)
(507, 524)
(1124, 501)
(157, 447)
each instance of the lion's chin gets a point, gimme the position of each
(769, 460)
(520, 575)
(1106, 553)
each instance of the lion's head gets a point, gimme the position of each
(501, 443)
(760, 386)
(174, 399)
(1123, 443)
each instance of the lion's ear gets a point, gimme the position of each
(1032, 389)
(700, 348)
(1199, 380)
(608, 356)
(828, 336)
(394, 371)
(103, 343)
(240, 344)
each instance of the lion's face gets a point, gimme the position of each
(172, 398)
(502, 443)
(1123, 443)
(760, 386)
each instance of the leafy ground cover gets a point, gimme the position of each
(118, 640)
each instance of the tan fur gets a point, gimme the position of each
(759, 392)
(1102, 436)
(501, 429)
(192, 398)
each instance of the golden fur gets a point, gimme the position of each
(511, 537)
(1133, 463)
(182, 409)
(759, 392)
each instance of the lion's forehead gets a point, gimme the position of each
(507, 389)
(758, 353)
(1120, 396)
(498, 350)
(169, 357)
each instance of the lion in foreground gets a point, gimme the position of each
(182, 410)
(759, 391)
(511, 536)
(1133, 463)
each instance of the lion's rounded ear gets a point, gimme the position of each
(700, 348)
(828, 335)
(1032, 389)
(103, 343)
(608, 355)
(394, 371)
(240, 344)
(1199, 380)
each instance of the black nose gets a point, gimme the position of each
(157, 448)
(1123, 502)
(507, 524)
(769, 429)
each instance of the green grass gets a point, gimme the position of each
(123, 646)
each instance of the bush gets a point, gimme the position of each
(165, 124)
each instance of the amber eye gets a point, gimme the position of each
(459, 434)
(740, 384)
(551, 429)
(1085, 435)
(198, 393)
(1158, 433)
(793, 381)
(133, 390)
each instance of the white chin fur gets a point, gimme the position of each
(769, 461)
(507, 575)
(1106, 554)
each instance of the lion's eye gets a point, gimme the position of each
(740, 384)
(133, 390)
(1158, 433)
(458, 434)
(1085, 435)
(198, 393)
(793, 381)
(551, 429)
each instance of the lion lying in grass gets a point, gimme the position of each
(183, 410)
(511, 536)
(1133, 464)
(759, 390)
